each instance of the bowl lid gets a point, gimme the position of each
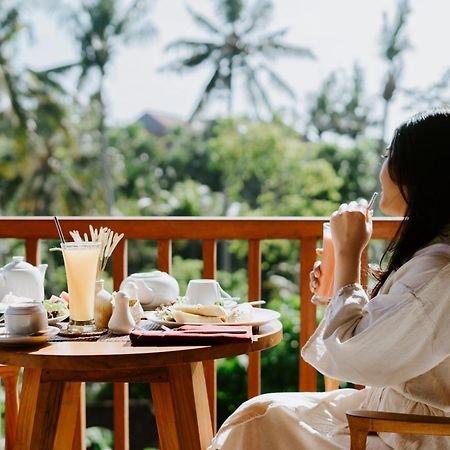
(24, 308)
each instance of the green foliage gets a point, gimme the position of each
(239, 47)
(357, 165)
(268, 170)
(340, 106)
(98, 438)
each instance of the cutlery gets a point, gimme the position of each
(256, 302)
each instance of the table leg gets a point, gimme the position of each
(70, 418)
(40, 424)
(182, 409)
(79, 438)
(27, 408)
(10, 377)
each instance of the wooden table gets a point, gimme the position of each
(54, 372)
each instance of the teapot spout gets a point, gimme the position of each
(42, 268)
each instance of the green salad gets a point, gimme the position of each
(55, 307)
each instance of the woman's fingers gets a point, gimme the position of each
(314, 277)
(351, 227)
(319, 251)
(342, 208)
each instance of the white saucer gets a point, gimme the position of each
(260, 317)
(7, 339)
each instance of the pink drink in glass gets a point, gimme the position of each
(326, 285)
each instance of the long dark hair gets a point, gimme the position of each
(419, 163)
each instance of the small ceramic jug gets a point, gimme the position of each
(135, 306)
(121, 321)
(103, 306)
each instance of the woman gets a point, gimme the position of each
(398, 342)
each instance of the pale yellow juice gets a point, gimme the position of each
(80, 261)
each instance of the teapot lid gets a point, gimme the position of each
(154, 274)
(18, 263)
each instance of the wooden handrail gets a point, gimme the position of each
(195, 228)
(208, 230)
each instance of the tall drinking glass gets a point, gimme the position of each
(326, 286)
(80, 261)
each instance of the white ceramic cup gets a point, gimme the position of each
(204, 292)
(26, 318)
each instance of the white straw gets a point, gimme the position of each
(60, 232)
(372, 201)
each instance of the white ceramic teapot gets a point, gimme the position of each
(152, 288)
(22, 279)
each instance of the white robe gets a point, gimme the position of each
(397, 344)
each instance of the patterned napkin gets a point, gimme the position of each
(192, 335)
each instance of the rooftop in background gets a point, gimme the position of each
(159, 124)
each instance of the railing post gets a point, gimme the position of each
(308, 374)
(121, 423)
(120, 263)
(33, 251)
(165, 255)
(365, 268)
(121, 417)
(209, 253)
(254, 293)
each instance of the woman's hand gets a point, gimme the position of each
(314, 278)
(351, 228)
(314, 282)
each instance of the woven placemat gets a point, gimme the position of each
(108, 337)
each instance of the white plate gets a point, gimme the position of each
(260, 317)
(55, 320)
(13, 340)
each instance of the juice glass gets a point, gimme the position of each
(326, 286)
(80, 261)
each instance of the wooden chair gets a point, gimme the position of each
(10, 377)
(361, 422)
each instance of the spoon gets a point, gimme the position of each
(256, 302)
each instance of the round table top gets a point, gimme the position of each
(79, 356)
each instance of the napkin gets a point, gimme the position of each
(192, 335)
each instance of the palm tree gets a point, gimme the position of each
(393, 44)
(13, 114)
(99, 27)
(35, 138)
(341, 106)
(240, 46)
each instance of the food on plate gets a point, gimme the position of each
(55, 307)
(181, 312)
(184, 317)
(241, 313)
(65, 296)
(202, 310)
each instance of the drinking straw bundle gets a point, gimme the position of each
(108, 242)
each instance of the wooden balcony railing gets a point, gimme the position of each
(306, 231)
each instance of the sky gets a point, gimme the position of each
(340, 33)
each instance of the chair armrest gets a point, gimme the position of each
(381, 421)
